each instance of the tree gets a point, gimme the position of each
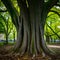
(6, 26)
(52, 23)
(30, 24)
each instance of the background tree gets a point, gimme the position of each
(6, 23)
(52, 23)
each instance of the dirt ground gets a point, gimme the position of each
(5, 50)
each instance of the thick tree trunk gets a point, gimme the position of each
(35, 13)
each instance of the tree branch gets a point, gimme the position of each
(13, 12)
(53, 31)
(55, 12)
(22, 3)
(50, 4)
(58, 5)
(3, 10)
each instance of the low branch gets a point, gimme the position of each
(55, 12)
(51, 34)
(3, 10)
(13, 12)
(53, 31)
(50, 4)
(58, 5)
(22, 4)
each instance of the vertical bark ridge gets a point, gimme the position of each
(34, 7)
(23, 49)
(37, 38)
(34, 41)
(38, 9)
(20, 34)
(29, 40)
(24, 14)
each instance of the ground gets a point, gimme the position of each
(5, 50)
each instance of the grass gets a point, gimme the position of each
(3, 43)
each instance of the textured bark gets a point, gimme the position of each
(20, 34)
(38, 37)
(35, 13)
(24, 46)
(25, 14)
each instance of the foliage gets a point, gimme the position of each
(53, 20)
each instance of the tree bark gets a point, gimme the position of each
(20, 34)
(24, 46)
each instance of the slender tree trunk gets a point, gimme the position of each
(47, 39)
(14, 36)
(7, 38)
(7, 32)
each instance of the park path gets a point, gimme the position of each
(54, 46)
